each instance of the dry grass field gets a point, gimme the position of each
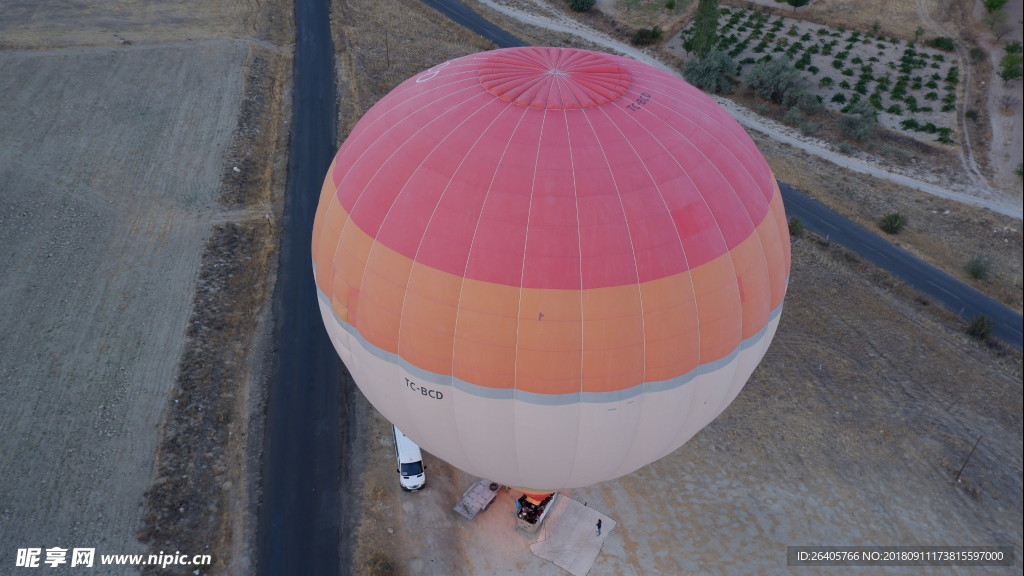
(136, 271)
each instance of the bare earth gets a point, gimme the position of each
(106, 219)
(122, 125)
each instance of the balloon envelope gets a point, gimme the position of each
(549, 266)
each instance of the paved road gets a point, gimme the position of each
(461, 14)
(955, 295)
(304, 476)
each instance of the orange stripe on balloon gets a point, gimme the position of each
(551, 341)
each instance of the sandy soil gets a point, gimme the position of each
(123, 125)
(850, 432)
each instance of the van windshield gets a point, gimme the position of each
(412, 469)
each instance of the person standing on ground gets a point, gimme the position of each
(598, 526)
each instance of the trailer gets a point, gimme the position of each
(477, 498)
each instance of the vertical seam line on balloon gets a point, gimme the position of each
(366, 148)
(380, 228)
(579, 252)
(457, 76)
(469, 255)
(451, 367)
(740, 200)
(636, 264)
(682, 246)
(526, 245)
(426, 228)
(350, 210)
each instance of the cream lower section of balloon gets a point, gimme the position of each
(546, 447)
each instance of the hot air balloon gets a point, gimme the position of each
(550, 267)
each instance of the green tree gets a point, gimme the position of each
(892, 223)
(796, 226)
(716, 72)
(1011, 66)
(582, 5)
(993, 5)
(797, 3)
(981, 327)
(979, 267)
(646, 36)
(860, 122)
(778, 80)
(705, 28)
(996, 22)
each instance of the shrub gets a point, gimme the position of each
(895, 110)
(892, 223)
(972, 114)
(942, 43)
(779, 81)
(796, 227)
(860, 122)
(1011, 66)
(793, 116)
(825, 82)
(953, 76)
(838, 98)
(979, 267)
(582, 5)
(981, 327)
(910, 124)
(705, 28)
(646, 36)
(716, 72)
(671, 4)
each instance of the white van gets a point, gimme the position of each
(410, 463)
